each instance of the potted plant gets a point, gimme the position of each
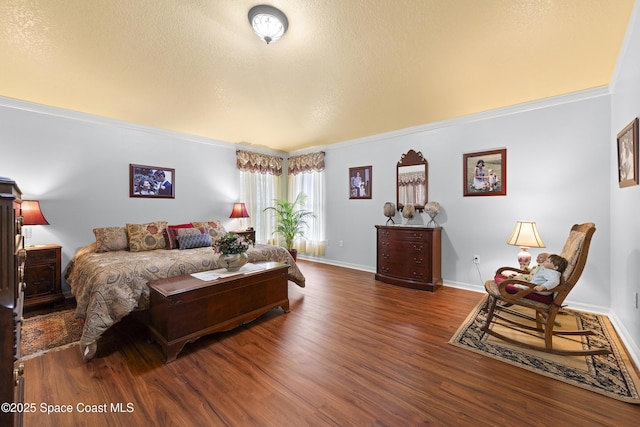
(290, 220)
(233, 250)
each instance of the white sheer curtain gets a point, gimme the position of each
(258, 191)
(260, 184)
(306, 175)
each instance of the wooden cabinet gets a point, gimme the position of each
(185, 308)
(409, 256)
(43, 275)
(12, 259)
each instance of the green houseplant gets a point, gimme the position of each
(290, 220)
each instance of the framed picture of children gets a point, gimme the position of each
(360, 182)
(151, 181)
(628, 155)
(485, 173)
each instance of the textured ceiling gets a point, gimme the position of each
(345, 69)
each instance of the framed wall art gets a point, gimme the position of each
(628, 155)
(485, 173)
(360, 182)
(151, 181)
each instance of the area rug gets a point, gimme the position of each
(612, 375)
(49, 332)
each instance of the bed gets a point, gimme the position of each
(109, 277)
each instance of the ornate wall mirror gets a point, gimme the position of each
(411, 180)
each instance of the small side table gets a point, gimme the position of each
(248, 234)
(42, 275)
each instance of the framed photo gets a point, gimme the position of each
(360, 182)
(628, 155)
(151, 181)
(485, 173)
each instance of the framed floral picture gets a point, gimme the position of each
(485, 173)
(628, 155)
(360, 182)
(151, 181)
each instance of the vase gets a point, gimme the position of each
(233, 262)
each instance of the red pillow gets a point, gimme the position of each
(499, 278)
(171, 235)
(546, 299)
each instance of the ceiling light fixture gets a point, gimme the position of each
(268, 22)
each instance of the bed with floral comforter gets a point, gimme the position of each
(109, 285)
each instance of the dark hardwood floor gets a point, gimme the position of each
(352, 352)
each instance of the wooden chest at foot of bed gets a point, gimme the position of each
(185, 308)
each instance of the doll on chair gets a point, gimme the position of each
(540, 259)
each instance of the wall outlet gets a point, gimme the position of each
(341, 243)
(476, 259)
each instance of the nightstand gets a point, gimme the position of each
(248, 234)
(42, 275)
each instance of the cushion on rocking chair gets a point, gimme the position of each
(546, 299)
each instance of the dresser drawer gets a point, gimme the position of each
(418, 272)
(409, 258)
(404, 235)
(42, 256)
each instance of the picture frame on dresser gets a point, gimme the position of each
(627, 144)
(360, 180)
(151, 181)
(484, 173)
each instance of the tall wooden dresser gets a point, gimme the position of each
(409, 256)
(12, 260)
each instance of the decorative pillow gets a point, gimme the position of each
(189, 241)
(190, 232)
(571, 251)
(146, 237)
(171, 233)
(111, 239)
(214, 228)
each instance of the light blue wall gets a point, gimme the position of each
(625, 202)
(78, 167)
(557, 175)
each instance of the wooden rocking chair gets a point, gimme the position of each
(575, 252)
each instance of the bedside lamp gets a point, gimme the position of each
(525, 234)
(239, 211)
(32, 215)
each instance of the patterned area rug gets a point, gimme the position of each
(49, 332)
(612, 375)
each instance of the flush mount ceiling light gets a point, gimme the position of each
(268, 22)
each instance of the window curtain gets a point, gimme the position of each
(260, 184)
(411, 187)
(306, 175)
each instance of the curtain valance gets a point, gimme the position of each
(248, 161)
(312, 162)
(413, 178)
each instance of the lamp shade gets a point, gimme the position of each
(525, 234)
(239, 211)
(32, 214)
(268, 22)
